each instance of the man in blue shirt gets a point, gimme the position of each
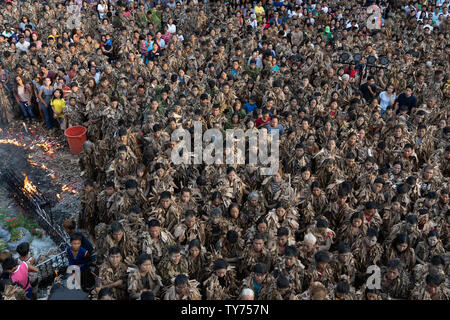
(70, 228)
(276, 19)
(274, 125)
(250, 106)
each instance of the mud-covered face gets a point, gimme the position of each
(277, 178)
(262, 227)
(232, 176)
(352, 140)
(432, 241)
(306, 175)
(190, 221)
(115, 259)
(428, 174)
(396, 206)
(281, 212)
(258, 245)
(109, 190)
(392, 273)
(117, 236)
(372, 296)
(408, 152)
(282, 241)
(290, 260)
(371, 241)
(175, 258)
(259, 277)
(154, 231)
(131, 191)
(234, 212)
(165, 203)
(401, 247)
(122, 155)
(356, 222)
(432, 289)
(316, 192)
(299, 152)
(345, 257)
(194, 252)
(410, 227)
(185, 197)
(221, 273)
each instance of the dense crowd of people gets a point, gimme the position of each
(364, 151)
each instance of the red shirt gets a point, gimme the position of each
(260, 122)
(351, 73)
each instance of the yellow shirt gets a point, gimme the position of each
(259, 10)
(58, 105)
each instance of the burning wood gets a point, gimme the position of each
(11, 141)
(68, 188)
(30, 190)
(28, 185)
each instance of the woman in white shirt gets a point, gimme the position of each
(172, 28)
(102, 8)
(387, 98)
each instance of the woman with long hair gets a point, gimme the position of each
(45, 94)
(23, 94)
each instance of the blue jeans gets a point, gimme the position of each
(27, 110)
(48, 114)
(29, 292)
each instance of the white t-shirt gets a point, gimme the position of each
(172, 28)
(385, 100)
(162, 43)
(23, 46)
(102, 8)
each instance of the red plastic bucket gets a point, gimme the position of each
(75, 137)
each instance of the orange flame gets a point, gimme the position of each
(34, 164)
(10, 141)
(45, 145)
(66, 188)
(28, 185)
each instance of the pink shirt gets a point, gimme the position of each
(20, 276)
